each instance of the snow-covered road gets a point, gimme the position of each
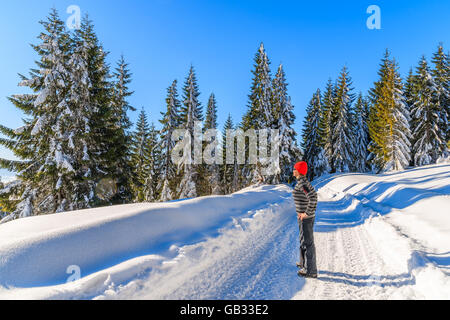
(377, 237)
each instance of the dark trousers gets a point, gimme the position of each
(307, 248)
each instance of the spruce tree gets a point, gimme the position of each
(259, 113)
(211, 176)
(140, 157)
(441, 77)
(169, 123)
(428, 137)
(388, 120)
(121, 135)
(42, 145)
(191, 113)
(283, 120)
(410, 93)
(103, 126)
(153, 166)
(326, 125)
(342, 140)
(314, 153)
(361, 135)
(227, 169)
(401, 134)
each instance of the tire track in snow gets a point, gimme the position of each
(349, 262)
(255, 262)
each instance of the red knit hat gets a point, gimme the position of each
(301, 167)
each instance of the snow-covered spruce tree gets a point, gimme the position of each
(441, 77)
(191, 112)
(325, 125)
(361, 134)
(342, 139)
(57, 145)
(227, 169)
(142, 160)
(428, 136)
(238, 178)
(121, 132)
(283, 120)
(388, 120)
(259, 113)
(314, 154)
(153, 166)
(211, 172)
(401, 133)
(170, 122)
(409, 89)
(409, 94)
(104, 127)
(44, 166)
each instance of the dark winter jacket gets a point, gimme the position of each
(305, 197)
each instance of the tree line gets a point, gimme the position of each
(77, 148)
(399, 123)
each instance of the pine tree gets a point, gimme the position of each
(314, 153)
(211, 113)
(191, 113)
(283, 120)
(342, 140)
(428, 137)
(41, 143)
(103, 125)
(388, 120)
(409, 94)
(227, 169)
(211, 176)
(122, 137)
(326, 125)
(361, 135)
(144, 141)
(153, 166)
(170, 122)
(401, 134)
(441, 77)
(259, 114)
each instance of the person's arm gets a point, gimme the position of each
(312, 199)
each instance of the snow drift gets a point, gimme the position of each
(37, 251)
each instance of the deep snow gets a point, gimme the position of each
(377, 237)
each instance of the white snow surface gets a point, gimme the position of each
(377, 237)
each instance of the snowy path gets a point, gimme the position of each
(242, 263)
(377, 237)
(361, 255)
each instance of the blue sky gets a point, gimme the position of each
(162, 38)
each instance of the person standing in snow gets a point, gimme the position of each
(305, 198)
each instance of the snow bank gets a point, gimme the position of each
(37, 251)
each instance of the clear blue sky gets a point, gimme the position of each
(162, 38)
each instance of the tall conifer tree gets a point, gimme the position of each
(428, 137)
(314, 152)
(389, 120)
(342, 140)
(191, 113)
(283, 120)
(170, 122)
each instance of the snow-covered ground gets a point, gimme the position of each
(377, 237)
